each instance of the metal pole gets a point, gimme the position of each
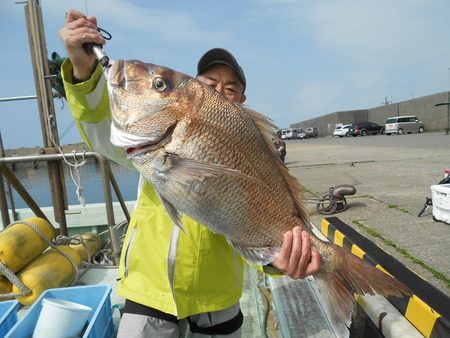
(8, 190)
(119, 196)
(109, 209)
(46, 108)
(3, 204)
(18, 98)
(448, 114)
(49, 157)
(5, 171)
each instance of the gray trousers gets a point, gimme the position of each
(141, 326)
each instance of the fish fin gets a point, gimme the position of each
(256, 255)
(185, 170)
(266, 128)
(173, 212)
(345, 275)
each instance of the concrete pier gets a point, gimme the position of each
(392, 176)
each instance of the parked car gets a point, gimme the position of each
(290, 134)
(403, 124)
(301, 134)
(342, 130)
(365, 128)
(311, 132)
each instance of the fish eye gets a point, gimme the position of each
(159, 84)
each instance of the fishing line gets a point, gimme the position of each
(64, 133)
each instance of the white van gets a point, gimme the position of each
(290, 134)
(403, 124)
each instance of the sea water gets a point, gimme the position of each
(36, 181)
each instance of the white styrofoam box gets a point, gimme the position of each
(440, 195)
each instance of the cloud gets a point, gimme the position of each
(362, 51)
(142, 19)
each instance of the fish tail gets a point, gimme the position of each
(343, 275)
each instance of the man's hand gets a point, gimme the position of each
(297, 259)
(79, 29)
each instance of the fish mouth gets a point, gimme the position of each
(150, 146)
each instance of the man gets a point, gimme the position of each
(280, 145)
(165, 275)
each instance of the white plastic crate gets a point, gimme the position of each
(440, 195)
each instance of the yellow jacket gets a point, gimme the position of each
(180, 273)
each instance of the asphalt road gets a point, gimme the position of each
(393, 176)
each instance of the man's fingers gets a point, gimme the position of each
(314, 265)
(92, 19)
(73, 15)
(296, 251)
(81, 23)
(296, 257)
(79, 36)
(285, 251)
(301, 255)
(306, 251)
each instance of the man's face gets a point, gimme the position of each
(223, 79)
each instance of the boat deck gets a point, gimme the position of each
(272, 307)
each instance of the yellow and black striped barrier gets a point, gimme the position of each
(428, 309)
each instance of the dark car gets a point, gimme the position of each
(365, 128)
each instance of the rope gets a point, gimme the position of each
(71, 165)
(4, 270)
(77, 181)
(74, 240)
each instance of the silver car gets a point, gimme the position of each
(403, 124)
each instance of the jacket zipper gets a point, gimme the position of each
(127, 253)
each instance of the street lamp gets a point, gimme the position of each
(447, 130)
(448, 112)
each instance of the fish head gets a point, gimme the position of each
(145, 104)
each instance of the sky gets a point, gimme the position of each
(302, 59)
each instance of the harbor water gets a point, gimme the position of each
(36, 181)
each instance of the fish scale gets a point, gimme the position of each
(246, 160)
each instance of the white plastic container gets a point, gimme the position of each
(440, 195)
(61, 318)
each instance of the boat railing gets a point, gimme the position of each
(108, 180)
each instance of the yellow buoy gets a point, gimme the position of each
(20, 244)
(50, 270)
(89, 242)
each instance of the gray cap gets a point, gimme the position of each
(220, 56)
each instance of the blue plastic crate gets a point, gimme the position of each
(8, 315)
(100, 322)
